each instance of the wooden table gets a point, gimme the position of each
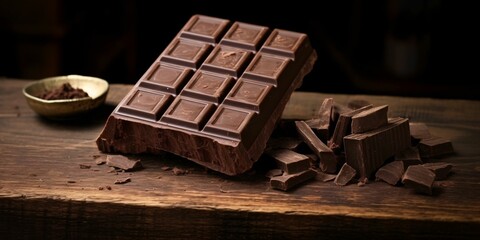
(46, 194)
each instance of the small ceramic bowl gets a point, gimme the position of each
(96, 88)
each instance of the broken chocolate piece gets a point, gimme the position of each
(288, 182)
(441, 169)
(370, 119)
(343, 128)
(290, 161)
(366, 152)
(390, 173)
(418, 131)
(409, 156)
(419, 178)
(325, 177)
(213, 96)
(435, 147)
(345, 175)
(178, 171)
(122, 180)
(320, 124)
(122, 162)
(328, 160)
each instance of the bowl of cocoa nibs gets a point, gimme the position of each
(66, 96)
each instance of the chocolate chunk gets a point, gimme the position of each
(366, 152)
(123, 180)
(328, 160)
(320, 124)
(409, 156)
(435, 147)
(288, 182)
(325, 177)
(213, 96)
(370, 119)
(441, 169)
(418, 131)
(343, 128)
(345, 175)
(419, 178)
(178, 171)
(289, 161)
(122, 162)
(390, 173)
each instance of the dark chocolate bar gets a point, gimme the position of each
(213, 95)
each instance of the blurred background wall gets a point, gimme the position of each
(406, 48)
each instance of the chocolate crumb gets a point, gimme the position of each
(179, 171)
(166, 168)
(108, 187)
(124, 163)
(100, 161)
(100, 188)
(71, 181)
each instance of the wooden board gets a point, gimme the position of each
(44, 193)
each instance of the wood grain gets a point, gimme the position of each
(45, 194)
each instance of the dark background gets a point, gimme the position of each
(405, 48)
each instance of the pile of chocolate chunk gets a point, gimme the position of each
(357, 143)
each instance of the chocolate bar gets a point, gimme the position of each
(366, 152)
(213, 95)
